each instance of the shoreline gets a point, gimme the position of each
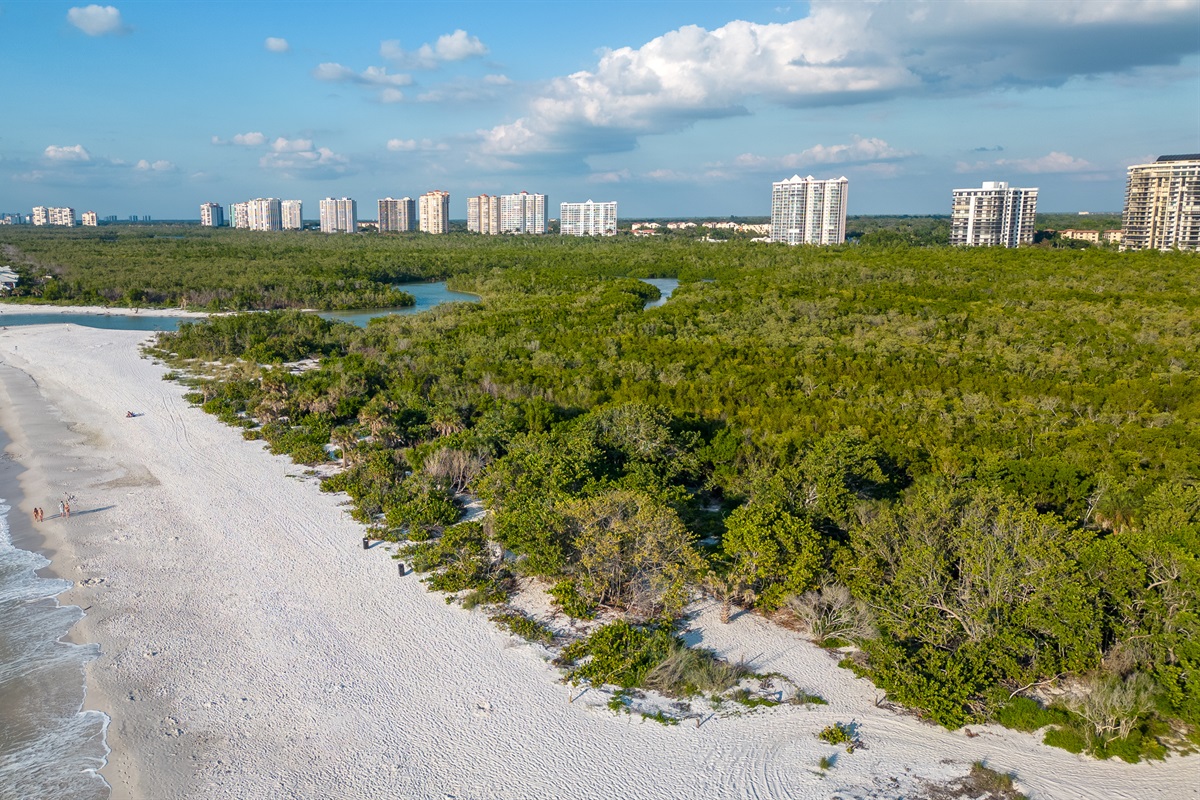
(102, 311)
(250, 647)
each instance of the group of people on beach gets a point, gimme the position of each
(64, 511)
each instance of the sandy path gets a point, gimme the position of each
(253, 649)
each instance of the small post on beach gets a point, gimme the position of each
(400, 567)
(366, 543)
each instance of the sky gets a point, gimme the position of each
(673, 109)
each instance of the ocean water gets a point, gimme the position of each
(49, 748)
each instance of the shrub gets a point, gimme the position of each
(619, 654)
(837, 733)
(1068, 739)
(524, 626)
(687, 671)
(1026, 714)
(831, 614)
(568, 598)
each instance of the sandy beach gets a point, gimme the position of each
(251, 648)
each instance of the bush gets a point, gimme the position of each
(618, 654)
(837, 733)
(524, 626)
(567, 597)
(1026, 714)
(1067, 738)
(687, 671)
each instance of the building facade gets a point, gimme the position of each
(291, 215)
(434, 212)
(265, 214)
(1162, 205)
(212, 215)
(90, 219)
(588, 219)
(809, 211)
(339, 216)
(397, 216)
(483, 214)
(994, 215)
(524, 213)
(63, 216)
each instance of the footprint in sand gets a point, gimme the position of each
(93, 581)
(482, 708)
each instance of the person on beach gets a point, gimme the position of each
(67, 509)
(62, 508)
(35, 519)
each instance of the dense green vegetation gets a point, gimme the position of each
(978, 465)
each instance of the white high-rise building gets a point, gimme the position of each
(483, 214)
(994, 215)
(90, 219)
(525, 213)
(41, 216)
(809, 211)
(64, 216)
(1162, 205)
(339, 216)
(397, 215)
(434, 208)
(264, 214)
(211, 215)
(239, 215)
(291, 215)
(588, 219)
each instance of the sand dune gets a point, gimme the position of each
(251, 648)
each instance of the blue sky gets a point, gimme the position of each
(670, 108)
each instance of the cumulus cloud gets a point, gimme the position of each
(294, 156)
(154, 166)
(371, 76)
(249, 139)
(841, 53)
(457, 46)
(96, 20)
(276, 44)
(859, 151)
(412, 145)
(1051, 163)
(74, 152)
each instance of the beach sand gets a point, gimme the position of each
(252, 648)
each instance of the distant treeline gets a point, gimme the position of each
(980, 466)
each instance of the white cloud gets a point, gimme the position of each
(95, 20)
(74, 152)
(841, 53)
(371, 76)
(276, 44)
(250, 139)
(411, 145)
(858, 151)
(154, 166)
(390, 95)
(1051, 163)
(282, 145)
(497, 80)
(457, 46)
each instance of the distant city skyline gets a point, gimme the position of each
(671, 109)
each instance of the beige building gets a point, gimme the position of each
(523, 213)
(211, 215)
(1081, 235)
(63, 216)
(483, 214)
(809, 211)
(994, 215)
(1162, 205)
(434, 212)
(90, 220)
(291, 215)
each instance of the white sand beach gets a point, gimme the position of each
(252, 648)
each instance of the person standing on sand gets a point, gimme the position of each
(62, 508)
(67, 509)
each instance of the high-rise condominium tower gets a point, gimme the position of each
(397, 216)
(995, 214)
(291, 214)
(809, 211)
(263, 214)
(212, 215)
(1162, 205)
(525, 213)
(483, 214)
(588, 219)
(339, 216)
(435, 212)
(239, 215)
(90, 219)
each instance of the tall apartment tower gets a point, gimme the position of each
(809, 211)
(63, 216)
(339, 216)
(994, 215)
(239, 215)
(264, 214)
(291, 215)
(90, 219)
(524, 213)
(588, 219)
(397, 216)
(1162, 205)
(483, 214)
(211, 215)
(435, 211)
